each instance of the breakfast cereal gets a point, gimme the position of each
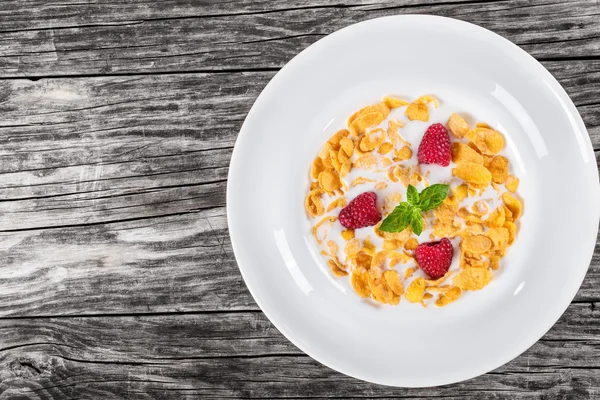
(408, 233)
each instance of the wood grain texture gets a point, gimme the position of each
(225, 355)
(117, 121)
(91, 38)
(93, 171)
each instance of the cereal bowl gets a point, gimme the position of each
(467, 68)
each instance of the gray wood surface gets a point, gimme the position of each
(117, 121)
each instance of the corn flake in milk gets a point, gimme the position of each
(480, 214)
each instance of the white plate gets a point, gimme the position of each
(469, 68)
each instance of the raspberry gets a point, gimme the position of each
(360, 212)
(434, 258)
(435, 146)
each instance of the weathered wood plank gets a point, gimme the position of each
(113, 194)
(197, 36)
(94, 171)
(164, 338)
(19, 15)
(273, 377)
(105, 149)
(89, 151)
(243, 355)
(176, 263)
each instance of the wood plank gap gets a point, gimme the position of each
(116, 221)
(143, 73)
(136, 314)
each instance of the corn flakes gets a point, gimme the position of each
(427, 99)
(361, 180)
(498, 167)
(360, 283)
(390, 174)
(318, 225)
(416, 290)
(380, 185)
(472, 173)
(339, 202)
(348, 234)
(378, 260)
(381, 108)
(368, 247)
(458, 126)
(335, 139)
(316, 167)
(476, 244)
(345, 168)
(474, 228)
(405, 153)
(496, 218)
(394, 282)
(329, 180)
(446, 212)
(513, 204)
(411, 244)
(488, 141)
(391, 244)
(468, 216)
(463, 153)
(385, 148)
(402, 174)
(342, 157)
(333, 247)
(499, 237)
(436, 282)
(347, 145)
(393, 102)
(336, 268)
(472, 278)
(314, 203)
(448, 296)
(479, 208)
(363, 260)
(485, 233)
(461, 192)
(397, 258)
(360, 124)
(366, 162)
(380, 290)
(512, 183)
(417, 112)
(371, 140)
(508, 214)
(409, 272)
(512, 231)
(352, 248)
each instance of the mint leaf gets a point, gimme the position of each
(399, 219)
(412, 196)
(432, 196)
(416, 222)
(409, 213)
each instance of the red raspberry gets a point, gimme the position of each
(435, 146)
(435, 258)
(360, 212)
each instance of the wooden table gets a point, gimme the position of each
(117, 122)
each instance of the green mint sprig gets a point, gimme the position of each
(409, 212)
